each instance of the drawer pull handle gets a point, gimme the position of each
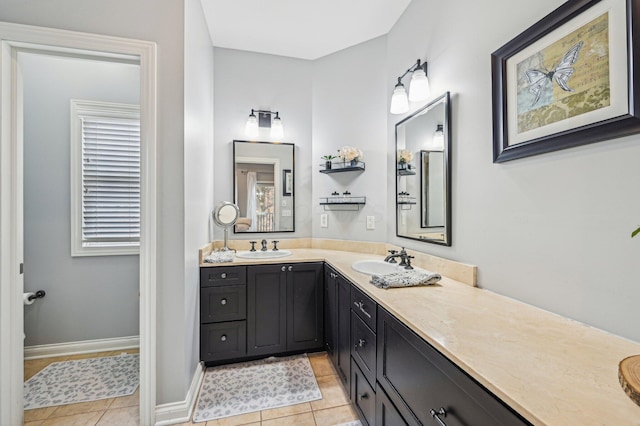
(223, 301)
(361, 343)
(223, 275)
(223, 338)
(363, 396)
(360, 305)
(333, 275)
(283, 269)
(436, 415)
(290, 268)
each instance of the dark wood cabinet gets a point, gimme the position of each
(338, 323)
(421, 382)
(362, 396)
(222, 313)
(266, 309)
(284, 308)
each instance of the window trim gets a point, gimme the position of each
(80, 108)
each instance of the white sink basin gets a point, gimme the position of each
(375, 267)
(258, 254)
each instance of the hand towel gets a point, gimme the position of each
(406, 278)
(219, 257)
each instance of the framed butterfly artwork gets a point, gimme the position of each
(568, 80)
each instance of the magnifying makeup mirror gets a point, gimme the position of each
(225, 215)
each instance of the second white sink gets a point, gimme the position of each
(258, 254)
(375, 267)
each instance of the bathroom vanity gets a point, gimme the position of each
(443, 354)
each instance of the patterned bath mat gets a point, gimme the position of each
(83, 380)
(229, 390)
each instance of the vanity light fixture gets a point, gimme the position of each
(264, 120)
(418, 88)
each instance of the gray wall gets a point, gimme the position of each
(160, 21)
(551, 230)
(349, 104)
(246, 80)
(198, 169)
(87, 297)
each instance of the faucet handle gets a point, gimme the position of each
(409, 262)
(275, 245)
(253, 245)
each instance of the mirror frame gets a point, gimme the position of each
(292, 172)
(446, 101)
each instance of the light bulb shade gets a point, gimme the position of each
(438, 139)
(251, 128)
(419, 86)
(399, 101)
(277, 131)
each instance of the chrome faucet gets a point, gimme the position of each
(391, 258)
(264, 245)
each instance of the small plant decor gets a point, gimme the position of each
(327, 160)
(350, 153)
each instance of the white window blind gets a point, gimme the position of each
(109, 179)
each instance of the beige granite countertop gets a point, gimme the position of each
(552, 370)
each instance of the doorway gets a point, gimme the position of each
(17, 40)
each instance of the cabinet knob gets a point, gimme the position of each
(283, 269)
(223, 338)
(436, 415)
(363, 396)
(333, 275)
(223, 275)
(361, 343)
(223, 301)
(290, 268)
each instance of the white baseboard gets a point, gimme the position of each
(83, 347)
(180, 412)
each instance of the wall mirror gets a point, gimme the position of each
(263, 176)
(423, 169)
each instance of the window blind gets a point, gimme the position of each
(110, 180)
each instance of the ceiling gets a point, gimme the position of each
(299, 28)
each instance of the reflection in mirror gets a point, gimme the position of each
(424, 190)
(263, 186)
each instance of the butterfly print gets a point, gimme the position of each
(538, 80)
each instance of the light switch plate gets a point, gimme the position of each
(371, 222)
(324, 220)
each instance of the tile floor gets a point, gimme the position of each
(332, 409)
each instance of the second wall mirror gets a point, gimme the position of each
(263, 176)
(423, 169)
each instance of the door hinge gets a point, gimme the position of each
(21, 268)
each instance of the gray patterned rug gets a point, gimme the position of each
(82, 380)
(229, 390)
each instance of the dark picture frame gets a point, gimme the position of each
(287, 182)
(617, 125)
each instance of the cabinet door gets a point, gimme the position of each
(266, 309)
(420, 381)
(363, 396)
(344, 330)
(304, 306)
(386, 412)
(331, 313)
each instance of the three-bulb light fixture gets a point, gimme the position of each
(264, 119)
(418, 88)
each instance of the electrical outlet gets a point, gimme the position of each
(286, 213)
(371, 222)
(324, 220)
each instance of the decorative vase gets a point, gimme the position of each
(402, 165)
(354, 163)
(327, 165)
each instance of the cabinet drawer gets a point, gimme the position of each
(363, 396)
(224, 303)
(363, 347)
(364, 306)
(418, 379)
(223, 340)
(223, 275)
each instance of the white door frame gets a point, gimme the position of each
(14, 38)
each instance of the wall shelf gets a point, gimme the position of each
(405, 171)
(342, 202)
(340, 166)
